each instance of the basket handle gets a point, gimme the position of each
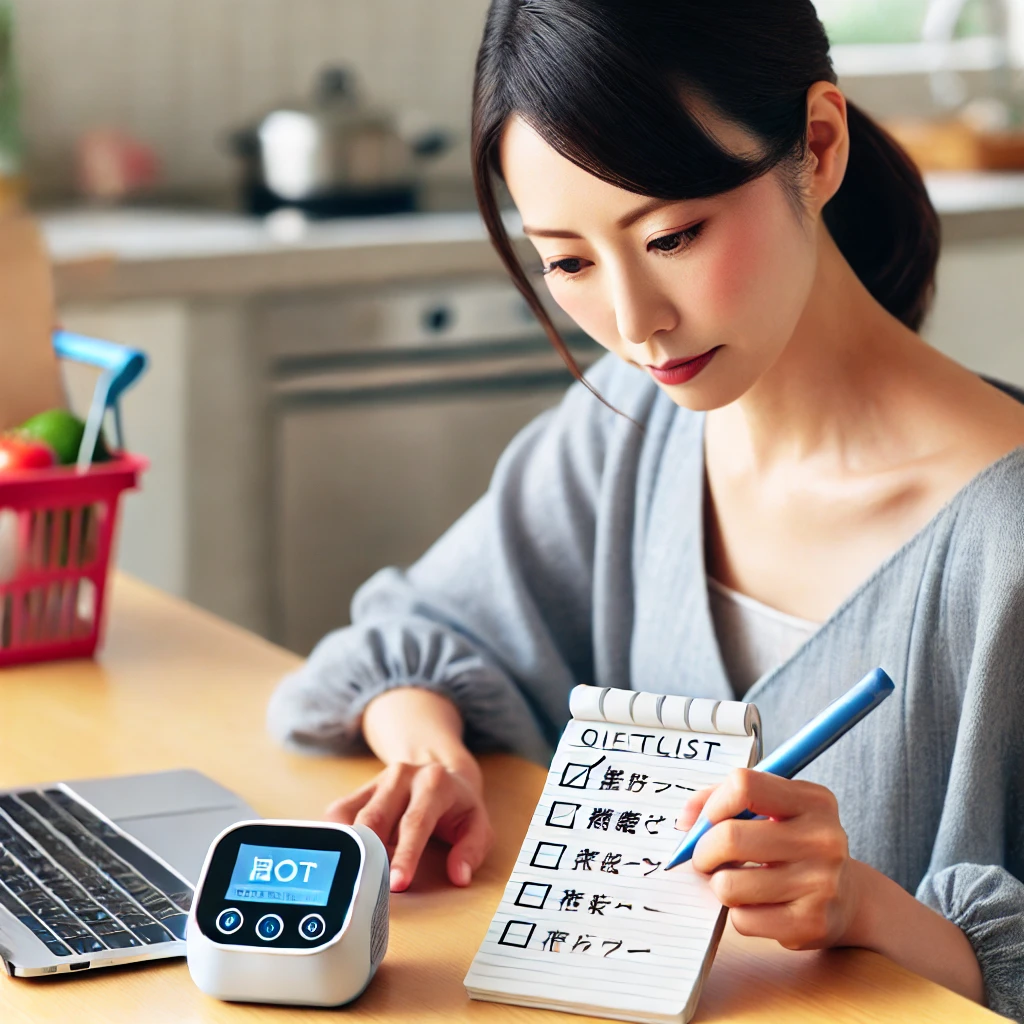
(121, 366)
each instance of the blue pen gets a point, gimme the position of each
(813, 739)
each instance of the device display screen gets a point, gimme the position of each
(278, 874)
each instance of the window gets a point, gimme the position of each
(871, 37)
(893, 21)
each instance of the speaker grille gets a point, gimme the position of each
(379, 924)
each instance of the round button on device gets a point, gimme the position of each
(312, 926)
(269, 926)
(229, 921)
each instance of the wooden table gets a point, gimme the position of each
(176, 687)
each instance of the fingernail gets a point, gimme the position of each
(463, 874)
(396, 879)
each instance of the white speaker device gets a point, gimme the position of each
(291, 912)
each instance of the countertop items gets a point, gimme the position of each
(956, 145)
(333, 154)
(221, 678)
(138, 253)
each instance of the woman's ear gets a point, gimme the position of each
(828, 142)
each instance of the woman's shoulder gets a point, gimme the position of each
(989, 509)
(985, 553)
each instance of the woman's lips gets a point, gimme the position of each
(679, 371)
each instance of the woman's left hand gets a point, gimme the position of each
(799, 885)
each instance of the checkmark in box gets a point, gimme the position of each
(576, 776)
(562, 815)
(548, 855)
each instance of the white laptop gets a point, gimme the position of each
(101, 872)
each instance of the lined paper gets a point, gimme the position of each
(589, 921)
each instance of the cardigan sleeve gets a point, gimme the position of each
(976, 875)
(497, 611)
(987, 903)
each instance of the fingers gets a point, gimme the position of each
(406, 804)
(384, 809)
(345, 809)
(770, 842)
(429, 798)
(692, 807)
(378, 804)
(767, 795)
(759, 886)
(469, 851)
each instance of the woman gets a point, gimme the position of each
(780, 487)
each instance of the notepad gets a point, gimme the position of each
(589, 922)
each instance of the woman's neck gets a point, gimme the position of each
(830, 395)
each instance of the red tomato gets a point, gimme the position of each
(18, 453)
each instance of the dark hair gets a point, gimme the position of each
(606, 82)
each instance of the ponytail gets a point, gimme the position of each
(884, 223)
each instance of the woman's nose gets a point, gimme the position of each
(642, 310)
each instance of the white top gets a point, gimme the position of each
(753, 637)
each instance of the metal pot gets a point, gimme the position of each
(334, 155)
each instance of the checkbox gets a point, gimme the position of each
(576, 776)
(548, 855)
(517, 933)
(562, 815)
(533, 894)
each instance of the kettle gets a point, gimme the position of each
(334, 155)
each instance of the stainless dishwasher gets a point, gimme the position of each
(389, 412)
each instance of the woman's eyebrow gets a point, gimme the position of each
(625, 221)
(549, 233)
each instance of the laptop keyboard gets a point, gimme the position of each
(78, 884)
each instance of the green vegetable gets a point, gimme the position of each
(63, 432)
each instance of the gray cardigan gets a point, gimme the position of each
(584, 563)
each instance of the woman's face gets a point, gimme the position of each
(703, 294)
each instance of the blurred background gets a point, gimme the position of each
(273, 199)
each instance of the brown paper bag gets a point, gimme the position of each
(30, 380)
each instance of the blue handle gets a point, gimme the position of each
(804, 746)
(124, 364)
(121, 366)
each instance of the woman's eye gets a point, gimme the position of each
(677, 241)
(570, 265)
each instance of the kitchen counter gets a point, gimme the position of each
(136, 253)
(130, 253)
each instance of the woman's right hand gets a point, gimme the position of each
(431, 787)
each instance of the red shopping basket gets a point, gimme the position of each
(57, 527)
